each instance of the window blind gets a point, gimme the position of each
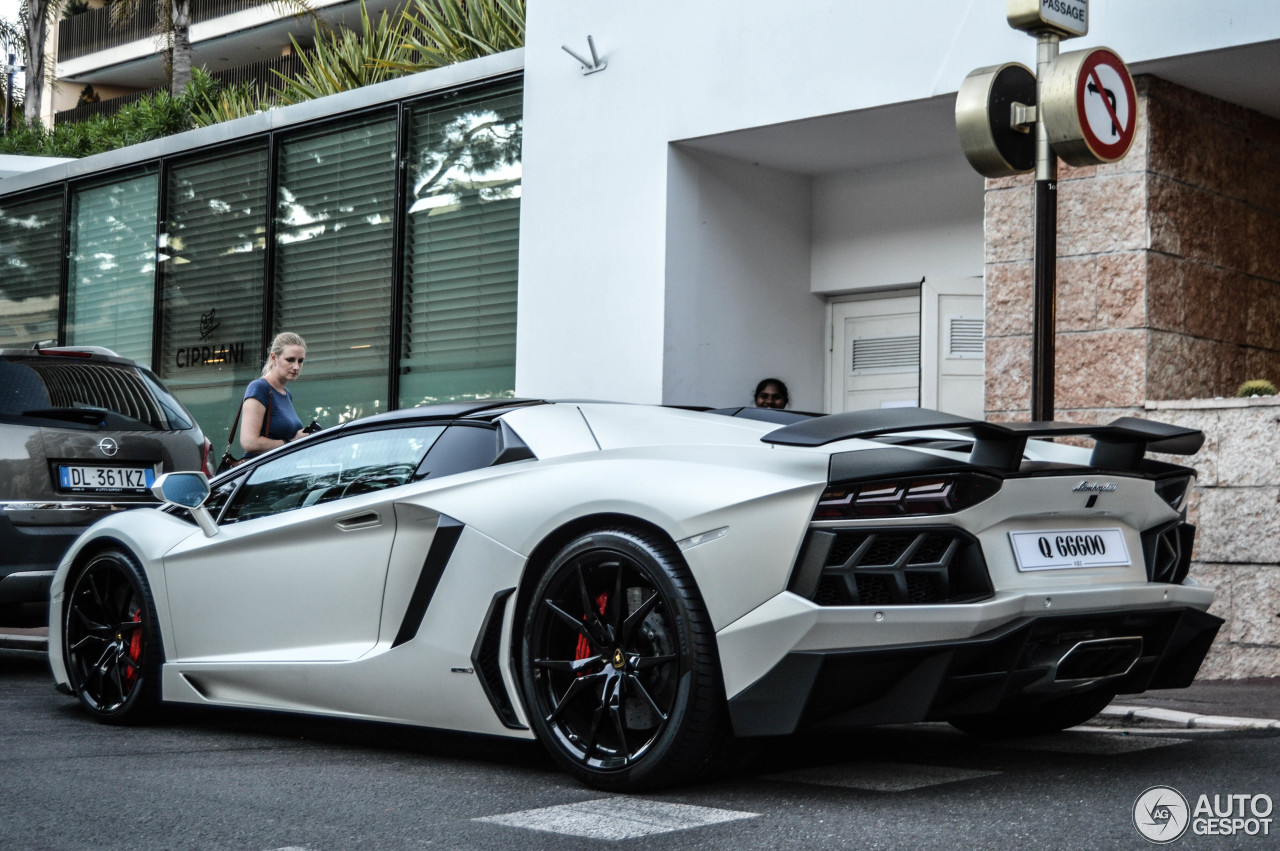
(111, 287)
(30, 270)
(211, 259)
(212, 271)
(461, 249)
(334, 260)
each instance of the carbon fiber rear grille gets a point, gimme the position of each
(1168, 551)
(891, 567)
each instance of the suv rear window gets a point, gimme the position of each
(72, 393)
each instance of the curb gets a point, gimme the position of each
(1136, 716)
(12, 641)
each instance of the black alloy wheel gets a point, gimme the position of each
(110, 641)
(618, 664)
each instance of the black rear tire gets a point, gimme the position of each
(618, 664)
(1050, 716)
(111, 643)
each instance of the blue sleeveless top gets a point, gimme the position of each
(284, 422)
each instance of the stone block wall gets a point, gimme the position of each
(1235, 507)
(1168, 289)
(1168, 274)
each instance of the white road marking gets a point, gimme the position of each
(617, 818)
(881, 776)
(1090, 742)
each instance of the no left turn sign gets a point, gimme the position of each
(1090, 106)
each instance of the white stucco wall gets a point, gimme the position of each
(897, 224)
(737, 300)
(595, 267)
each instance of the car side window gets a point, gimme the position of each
(459, 449)
(338, 468)
(218, 497)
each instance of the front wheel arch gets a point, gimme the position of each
(110, 636)
(540, 559)
(647, 708)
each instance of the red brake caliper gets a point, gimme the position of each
(135, 649)
(584, 647)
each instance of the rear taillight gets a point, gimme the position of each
(905, 497)
(206, 458)
(64, 353)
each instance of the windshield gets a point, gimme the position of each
(87, 395)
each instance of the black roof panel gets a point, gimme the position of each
(489, 408)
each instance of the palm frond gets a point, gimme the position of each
(342, 60)
(442, 32)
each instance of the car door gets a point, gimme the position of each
(299, 564)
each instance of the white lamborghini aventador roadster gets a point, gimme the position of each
(633, 586)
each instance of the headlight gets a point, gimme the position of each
(905, 497)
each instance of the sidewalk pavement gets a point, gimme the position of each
(1252, 704)
(1206, 705)
(15, 638)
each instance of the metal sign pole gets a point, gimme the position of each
(992, 112)
(1045, 250)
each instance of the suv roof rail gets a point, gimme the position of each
(75, 350)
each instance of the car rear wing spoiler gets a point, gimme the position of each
(1118, 445)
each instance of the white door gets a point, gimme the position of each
(953, 349)
(875, 352)
(309, 589)
(298, 569)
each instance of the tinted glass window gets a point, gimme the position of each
(461, 241)
(20, 389)
(346, 466)
(30, 269)
(212, 264)
(335, 206)
(459, 449)
(70, 392)
(219, 495)
(112, 266)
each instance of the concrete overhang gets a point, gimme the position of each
(925, 129)
(12, 164)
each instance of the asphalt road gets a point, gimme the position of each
(248, 781)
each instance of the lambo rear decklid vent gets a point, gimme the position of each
(1119, 445)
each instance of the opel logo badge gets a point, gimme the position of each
(108, 446)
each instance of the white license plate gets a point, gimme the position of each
(105, 479)
(1061, 549)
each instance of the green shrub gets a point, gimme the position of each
(1256, 387)
(428, 34)
(344, 59)
(152, 117)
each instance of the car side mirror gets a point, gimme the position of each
(188, 490)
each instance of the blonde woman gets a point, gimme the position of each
(267, 418)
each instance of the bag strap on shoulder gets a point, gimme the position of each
(235, 424)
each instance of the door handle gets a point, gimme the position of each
(363, 520)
